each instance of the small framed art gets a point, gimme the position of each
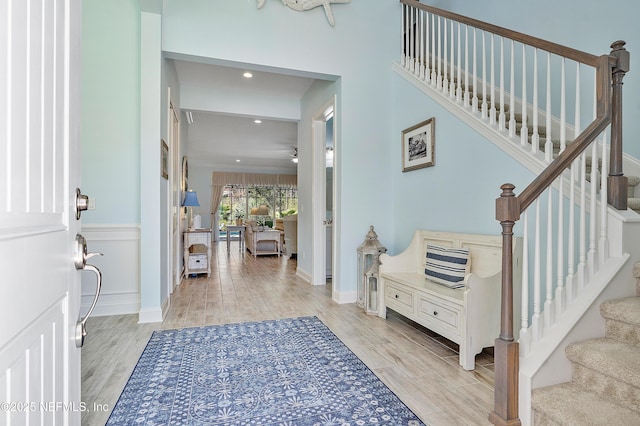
(418, 145)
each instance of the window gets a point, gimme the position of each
(263, 204)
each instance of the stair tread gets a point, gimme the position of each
(570, 404)
(607, 356)
(625, 310)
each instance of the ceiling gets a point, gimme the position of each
(224, 105)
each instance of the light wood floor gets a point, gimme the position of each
(419, 366)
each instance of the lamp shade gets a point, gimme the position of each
(191, 199)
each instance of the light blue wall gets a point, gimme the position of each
(359, 49)
(588, 25)
(110, 127)
(458, 193)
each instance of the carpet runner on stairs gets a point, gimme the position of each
(605, 386)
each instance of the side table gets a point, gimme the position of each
(197, 252)
(240, 229)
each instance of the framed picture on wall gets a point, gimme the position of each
(164, 148)
(418, 145)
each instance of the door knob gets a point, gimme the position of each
(82, 203)
(80, 261)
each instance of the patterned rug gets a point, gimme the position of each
(285, 372)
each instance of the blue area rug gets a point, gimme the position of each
(285, 372)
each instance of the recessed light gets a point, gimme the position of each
(247, 74)
(237, 161)
(257, 121)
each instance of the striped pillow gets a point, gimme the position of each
(446, 266)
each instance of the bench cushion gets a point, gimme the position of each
(447, 266)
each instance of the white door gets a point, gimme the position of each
(39, 137)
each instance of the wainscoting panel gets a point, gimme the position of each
(120, 266)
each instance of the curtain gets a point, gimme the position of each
(258, 179)
(220, 179)
(216, 198)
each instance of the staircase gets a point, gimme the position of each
(528, 96)
(605, 386)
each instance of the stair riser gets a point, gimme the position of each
(622, 332)
(612, 389)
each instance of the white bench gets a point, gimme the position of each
(468, 316)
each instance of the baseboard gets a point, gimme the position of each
(112, 304)
(303, 274)
(345, 297)
(150, 315)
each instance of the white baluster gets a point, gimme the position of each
(445, 59)
(571, 241)
(492, 88)
(484, 109)
(434, 56)
(548, 146)
(427, 33)
(452, 73)
(524, 130)
(421, 50)
(603, 247)
(440, 60)
(535, 137)
(412, 62)
(512, 94)
(591, 255)
(467, 92)
(594, 180)
(536, 321)
(549, 317)
(582, 264)
(459, 88)
(502, 117)
(474, 76)
(581, 272)
(560, 288)
(403, 40)
(525, 336)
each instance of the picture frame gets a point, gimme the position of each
(418, 145)
(164, 149)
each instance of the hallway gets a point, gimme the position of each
(419, 366)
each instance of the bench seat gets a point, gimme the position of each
(468, 316)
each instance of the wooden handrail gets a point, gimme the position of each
(582, 142)
(567, 52)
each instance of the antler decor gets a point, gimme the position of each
(304, 5)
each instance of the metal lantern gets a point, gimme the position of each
(368, 261)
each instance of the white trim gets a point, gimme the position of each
(111, 232)
(112, 304)
(120, 267)
(150, 315)
(345, 297)
(304, 275)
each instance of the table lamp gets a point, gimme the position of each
(190, 200)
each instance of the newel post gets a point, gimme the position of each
(506, 350)
(617, 182)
